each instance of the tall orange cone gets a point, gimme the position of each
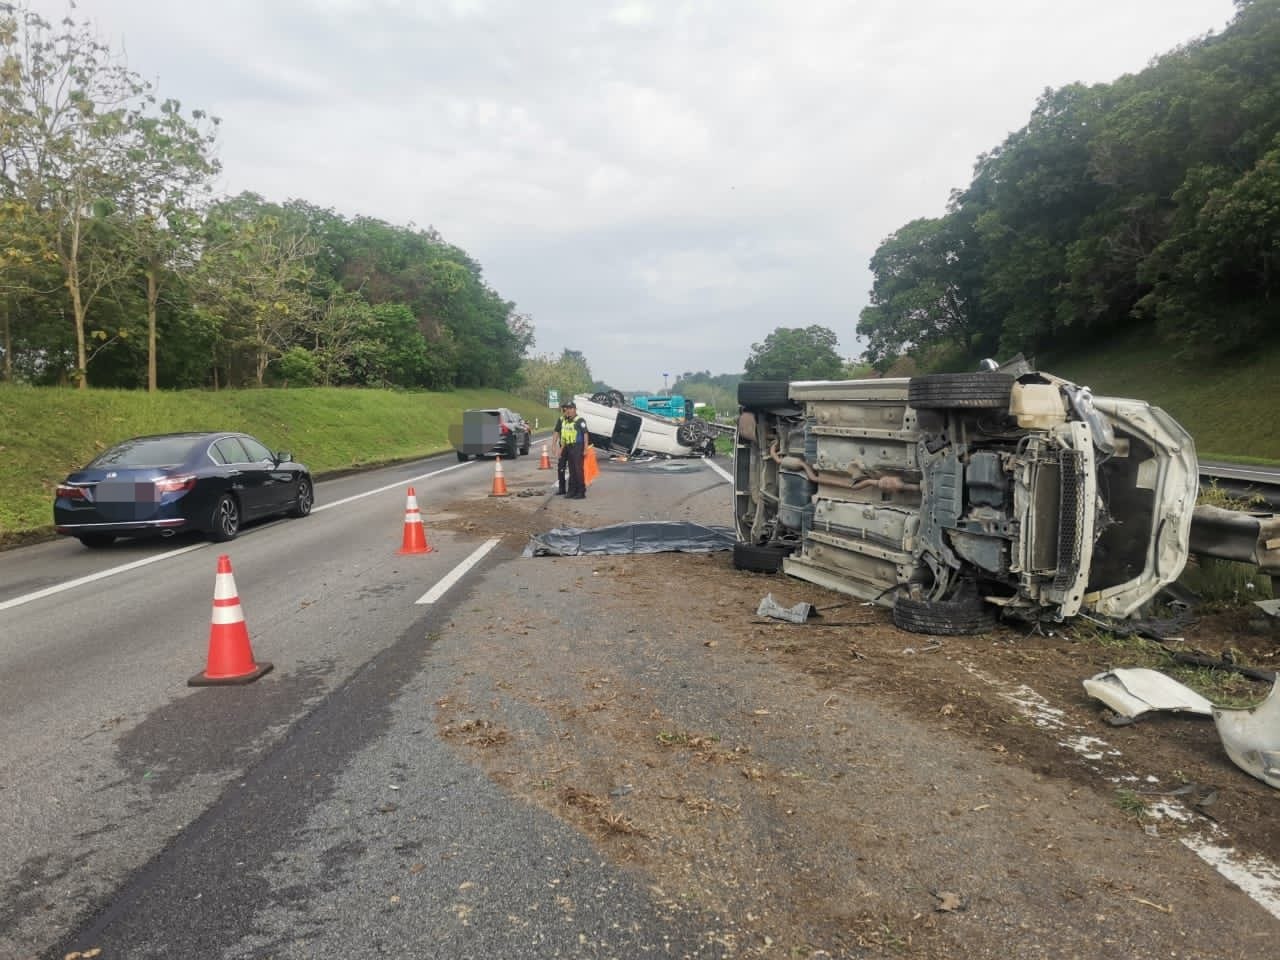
(499, 481)
(415, 534)
(545, 462)
(230, 656)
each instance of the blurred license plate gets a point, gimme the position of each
(144, 492)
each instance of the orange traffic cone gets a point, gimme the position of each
(230, 657)
(545, 462)
(415, 534)
(499, 481)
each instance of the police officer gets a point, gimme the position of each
(573, 447)
(562, 452)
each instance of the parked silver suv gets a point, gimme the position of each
(953, 497)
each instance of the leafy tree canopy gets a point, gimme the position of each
(795, 353)
(1150, 199)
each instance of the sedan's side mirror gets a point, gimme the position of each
(283, 456)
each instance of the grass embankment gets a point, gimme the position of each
(45, 433)
(1231, 409)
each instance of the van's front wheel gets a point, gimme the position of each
(943, 617)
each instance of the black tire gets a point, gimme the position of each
(463, 457)
(689, 433)
(528, 441)
(764, 558)
(964, 391)
(764, 393)
(224, 525)
(943, 617)
(305, 500)
(514, 452)
(96, 541)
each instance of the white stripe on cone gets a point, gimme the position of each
(224, 587)
(222, 616)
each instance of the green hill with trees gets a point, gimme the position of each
(119, 268)
(1152, 202)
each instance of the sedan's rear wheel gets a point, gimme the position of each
(96, 541)
(306, 498)
(226, 519)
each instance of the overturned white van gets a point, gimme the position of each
(954, 497)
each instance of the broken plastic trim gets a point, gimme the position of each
(1133, 691)
(798, 613)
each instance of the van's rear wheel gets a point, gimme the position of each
(969, 391)
(763, 394)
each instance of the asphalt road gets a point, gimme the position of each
(147, 818)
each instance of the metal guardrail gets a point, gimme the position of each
(1258, 486)
(1245, 537)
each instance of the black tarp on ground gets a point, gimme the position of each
(645, 536)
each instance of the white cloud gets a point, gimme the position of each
(658, 185)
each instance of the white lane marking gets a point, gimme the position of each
(125, 568)
(1257, 876)
(100, 575)
(389, 486)
(720, 470)
(454, 575)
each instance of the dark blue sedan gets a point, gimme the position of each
(159, 486)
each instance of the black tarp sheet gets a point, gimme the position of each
(644, 536)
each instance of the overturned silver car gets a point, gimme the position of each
(955, 497)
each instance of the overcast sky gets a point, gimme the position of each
(657, 184)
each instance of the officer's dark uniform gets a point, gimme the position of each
(573, 446)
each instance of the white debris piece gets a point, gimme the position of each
(1251, 736)
(1133, 691)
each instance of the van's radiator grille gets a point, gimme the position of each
(1071, 507)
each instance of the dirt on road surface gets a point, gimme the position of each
(841, 788)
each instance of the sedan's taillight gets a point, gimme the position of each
(175, 484)
(505, 429)
(68, 492)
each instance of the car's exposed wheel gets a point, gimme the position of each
(689, 433)
(463, 457)
(528, 441)
(609, 398)
(305, 500)
(943, 617)
(759, 558)
(96, 541)
(225, 523)
(984, 390)
(763, 393)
